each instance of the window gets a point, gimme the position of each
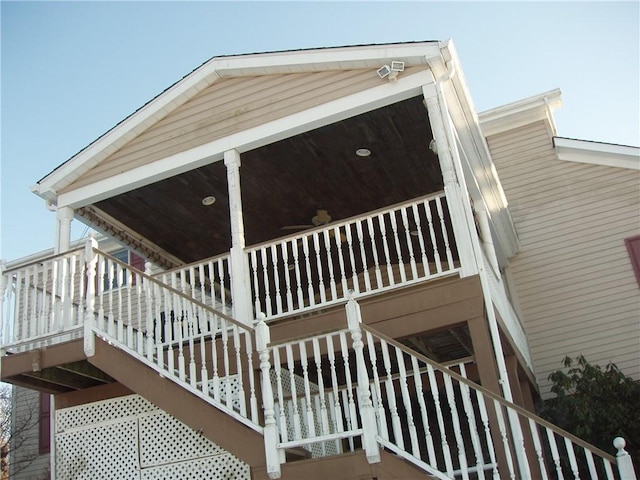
(124, 256)
(44, 442)
(633, 247)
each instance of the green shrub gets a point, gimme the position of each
(596, 404)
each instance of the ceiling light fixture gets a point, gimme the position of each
(210, 200)
(363, 152)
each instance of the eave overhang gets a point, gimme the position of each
(297, 61)
(597, 153)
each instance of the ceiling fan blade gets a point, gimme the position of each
(296, 227)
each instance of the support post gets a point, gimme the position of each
(487, 240)
(91, 261)
(64, 216)
(625, 465)
(367, 413)
(452, 188)
(270, 431)
(239, 263)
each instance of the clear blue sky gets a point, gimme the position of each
(72, 70)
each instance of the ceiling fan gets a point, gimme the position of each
(321, 217)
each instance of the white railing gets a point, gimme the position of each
(348, 388)
(42, 301)
(185, 340)
(371, 253)
(450, 424)
(208, 281)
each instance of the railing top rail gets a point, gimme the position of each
(192, 264)
(323, 333)
(344, 221)
(492, 395)
(11, 267)
(173, 290)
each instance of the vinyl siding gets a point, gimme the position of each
(574, 281)
(228, 106)
(30, 465)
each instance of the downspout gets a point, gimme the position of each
(503, 377)
(491, 317)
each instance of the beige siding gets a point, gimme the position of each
(574, 281)
(229, 106)
(27, 464)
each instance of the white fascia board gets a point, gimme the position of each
(125, 131)
(597, 153)
(205, 75)
(386, 93)
(334, 58)
(521, 113)
(482, 178)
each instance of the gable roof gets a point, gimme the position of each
(273, 63)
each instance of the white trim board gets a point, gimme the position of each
(597, 153)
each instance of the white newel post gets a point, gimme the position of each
(367, 412)
(625, 465)
(270, 427)
(239, 263)
(64, 216)
(452, 189)
(91, 261)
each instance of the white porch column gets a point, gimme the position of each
(64, 215)
(239, 263)
(487, 239)
(452, 188)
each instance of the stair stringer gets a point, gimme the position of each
(348, 466)
(214, 424)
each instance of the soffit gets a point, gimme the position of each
(368, 57)
(229, 106)
(285, 182)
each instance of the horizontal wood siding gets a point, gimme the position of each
(574, 280)
(29, 464)
(228, 106)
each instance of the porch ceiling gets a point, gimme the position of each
(284, 183)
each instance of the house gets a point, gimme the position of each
(340, 287)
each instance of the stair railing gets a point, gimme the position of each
(183, 339)
(443, 420)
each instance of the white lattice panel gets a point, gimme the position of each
(107, 451)
(163, 439)
(130, 438)
(225, 467)
(101, 412)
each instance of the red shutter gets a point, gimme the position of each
(633, 247)
(136, 261)
(44, 444)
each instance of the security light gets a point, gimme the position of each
(397, 66)
(384, 71)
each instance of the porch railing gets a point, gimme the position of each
(377, 251)
(42, 301)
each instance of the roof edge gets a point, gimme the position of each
(597, 153)
(520, 113)
(206, 74)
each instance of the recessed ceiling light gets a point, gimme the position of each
(363, 152)
(210, 200)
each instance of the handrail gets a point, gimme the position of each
(194, 301)
(192, 264)
(345, 221)
(14, 268)
(490, 394)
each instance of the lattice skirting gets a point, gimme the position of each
(130, 438)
